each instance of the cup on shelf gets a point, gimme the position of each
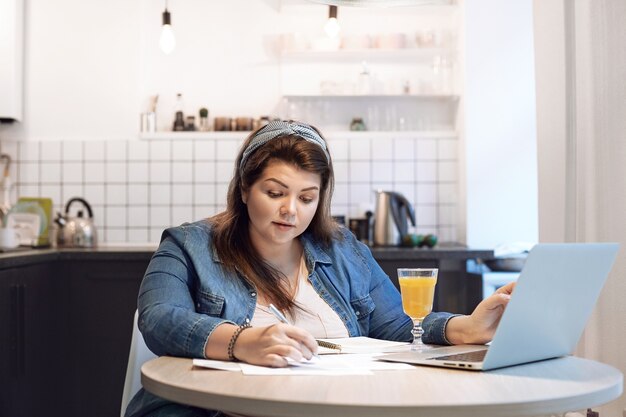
(9, 238)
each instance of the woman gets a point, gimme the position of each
(207, 289)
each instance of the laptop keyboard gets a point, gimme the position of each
(474, 356)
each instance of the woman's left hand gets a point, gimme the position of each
(480, 326)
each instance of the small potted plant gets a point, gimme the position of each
(204, 119)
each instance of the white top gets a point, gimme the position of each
(315, 315)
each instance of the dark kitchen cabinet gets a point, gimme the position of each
(102, 301)
(32, 344)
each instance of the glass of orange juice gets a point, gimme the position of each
(417, 286)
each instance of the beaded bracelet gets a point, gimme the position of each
(233, 339)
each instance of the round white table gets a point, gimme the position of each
(552, 386)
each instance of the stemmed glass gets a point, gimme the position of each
(417, 286)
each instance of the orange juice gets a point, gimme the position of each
(417, 295)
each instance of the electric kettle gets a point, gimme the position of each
(393, 212)
(76, 232)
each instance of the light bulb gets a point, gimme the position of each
(332, 27)
(167, 42)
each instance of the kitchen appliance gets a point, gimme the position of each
(393, 211)
(79, 231)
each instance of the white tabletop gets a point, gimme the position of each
(553, 386)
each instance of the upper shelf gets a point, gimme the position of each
(372, 97)
(330, 134)
(408, 55)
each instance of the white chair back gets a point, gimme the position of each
(139, 354)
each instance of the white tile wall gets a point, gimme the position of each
(137, 188)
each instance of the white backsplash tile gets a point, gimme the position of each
(338, 149)
(116, 194)
(160, 150)
(404, 171)
(29, 151)
(138, 194)
(426, 171)
(360, 150)
(426, 149)
(137, 188)
(182, 194)
(403, 149)
(160, 171)
(360, 171)
(160, 194)
(341, 171)
(204, 171)
(204, 194)
(50, 172)
(94, 172)
(116, 150)
(116, 235)
(204, 150)
(181, 214)
(382, 171)
(51, 151)
(447, 171)
(182, 171)
(72, 150)
(161, 216)
(448, 149)
(138, 172)
(182, 150)
(72, 172)
(28, 172)
(116, 217)
(93, 193)
(138, 216)
(382, 150)
(115, 171)
(138, 150)
(227, 150)
(94, 150)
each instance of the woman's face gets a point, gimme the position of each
(281, 203)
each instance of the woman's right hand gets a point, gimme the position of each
(273, 345)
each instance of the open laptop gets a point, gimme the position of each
(552, 301)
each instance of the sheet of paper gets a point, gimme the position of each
(221, 365)
(350, 364)
(363, 344)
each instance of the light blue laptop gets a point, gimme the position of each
(552, 301)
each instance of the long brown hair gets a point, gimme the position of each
(231, 227)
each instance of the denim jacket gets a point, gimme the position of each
(186, 293)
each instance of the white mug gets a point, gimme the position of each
(9, 238)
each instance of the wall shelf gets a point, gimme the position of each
(408, 55)
(329, 134)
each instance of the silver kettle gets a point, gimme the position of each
(79, 231)
(393, 211)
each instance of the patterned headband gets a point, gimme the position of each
(280, 128)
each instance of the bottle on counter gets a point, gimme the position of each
(179, 117)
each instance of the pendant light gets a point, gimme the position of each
(332, 27)
(167, 42)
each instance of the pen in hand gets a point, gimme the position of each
(281, 317)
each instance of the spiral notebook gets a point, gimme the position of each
(360, 344)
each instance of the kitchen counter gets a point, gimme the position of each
(457, 290)
(27, 256)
